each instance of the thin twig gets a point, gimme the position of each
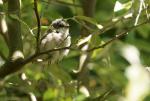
(45, 52)
(82, 24)
(38, 24)
(61, 3)
(108, 42)
(118, 36)
(139, 12)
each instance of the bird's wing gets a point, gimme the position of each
(49, 31)
(65, 42)
(47, 42)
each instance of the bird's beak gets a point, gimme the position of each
(67, 26)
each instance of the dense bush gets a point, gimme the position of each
(108, 58)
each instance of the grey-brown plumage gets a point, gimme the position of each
(58, 37)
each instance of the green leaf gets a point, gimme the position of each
(141, 44)
(50, 94)
(95, 41)
(121, 8)
(13, 16)
(144, 31)
(59, 73)
(87, 19)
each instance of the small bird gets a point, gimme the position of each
(57, 37)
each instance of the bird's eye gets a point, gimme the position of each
(55, 25)
(60, 25)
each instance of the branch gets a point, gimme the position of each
(38, 24)
(14, 28)
(5, 69)
(29, 59)
(123, 18)
(118, 36)
(108, 42)
(14, 40)
(89, 7)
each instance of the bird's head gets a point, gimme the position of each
(60, 25)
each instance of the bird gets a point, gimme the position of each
(57, 37)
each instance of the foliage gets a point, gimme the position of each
(98, 67)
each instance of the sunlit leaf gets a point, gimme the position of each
(122, 8)
(50, 94)
(99, 26)
(84, 40)
(85, 91)
(119, 6)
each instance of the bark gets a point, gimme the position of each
(14, 27)
(14, 40)
(89, 7)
